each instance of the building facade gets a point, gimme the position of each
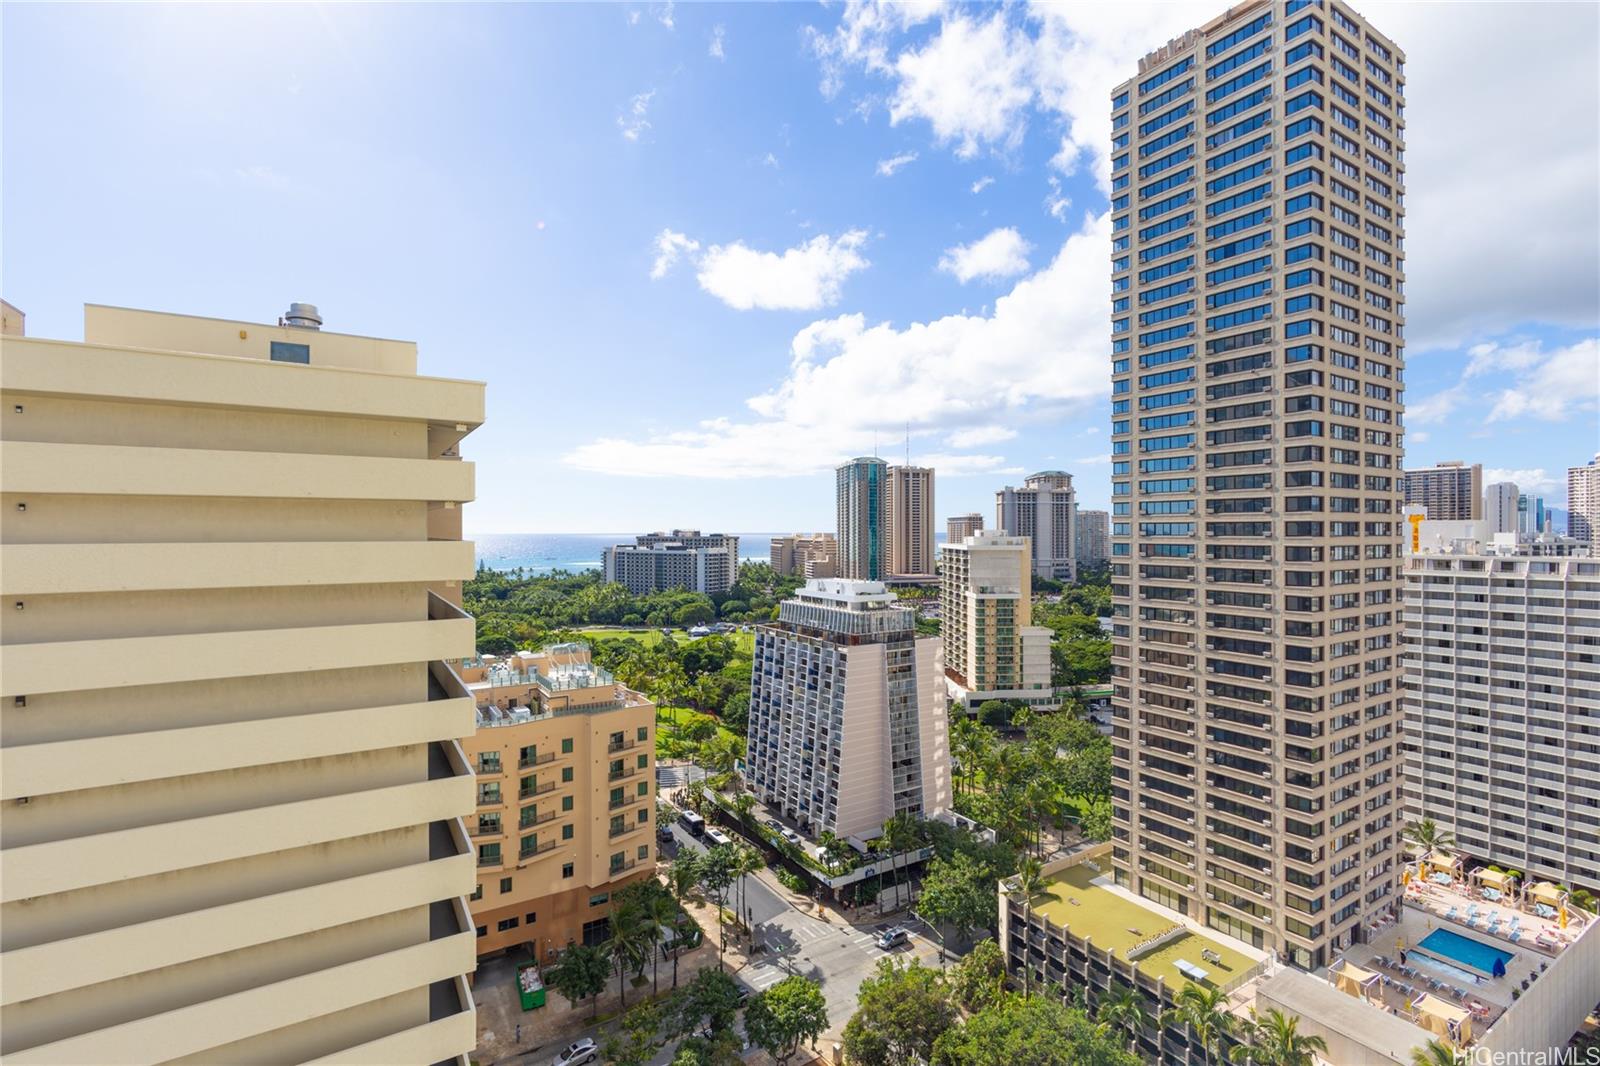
(1531, 517)
(232, 793)
(1093, 540)
(1500, 507)
(908, 508)
(681, 559)
(862, 497)
(992, 651)
(1045, 510)
(1257, 278)
(1502, 694)
(566, 797)
(1583, 500)
(1451, 491)
(847, 712)
(806, 554)
(959, 527)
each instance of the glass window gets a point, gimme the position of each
(289, 352)
(505, 884)
(566, 746)
(566, 869)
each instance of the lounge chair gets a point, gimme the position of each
(1451, 913)
(1516, 935)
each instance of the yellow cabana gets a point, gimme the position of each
(1444, 1019)
(1352, 979)
(1493, 879)
(1443, 861)
(1546, 893)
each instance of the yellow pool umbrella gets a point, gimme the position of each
(1563, 916)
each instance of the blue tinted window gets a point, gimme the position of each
(289, 352)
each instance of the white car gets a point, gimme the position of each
(791, 836)
(577, 1054)
(717, 836)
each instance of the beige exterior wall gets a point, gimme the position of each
(909, 510)
(991, 649)
(1449, 492)
(959, 527)
(230, 791)
(1258, 323)
(806, 554)
(565, 806)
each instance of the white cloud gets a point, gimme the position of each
(887, 167)
(1002, 253)
(1554, 387)
(770, 161)
(1535, 480)
(1056, 202)
(263, 177)
(663, 14)
(970, 83)
(719, 35)
(633, 121)
(1104, 459)
(1040, 353)
(1435, 408)
(980, 82)
(976, 435)
(1418, 436)
(798, 279)
(669, 246)
(981, 184)
(633, 18)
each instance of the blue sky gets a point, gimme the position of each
(700, 253)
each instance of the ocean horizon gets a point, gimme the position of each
(545, 553)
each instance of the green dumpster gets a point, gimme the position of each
(530, 986)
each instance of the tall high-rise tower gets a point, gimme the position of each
(1500, 507)
(1257, 322)
(862, 501)
(1451, 491)
(1583, 500)
(1045, 509)
(909, 518)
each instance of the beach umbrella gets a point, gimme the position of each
(1499, 967)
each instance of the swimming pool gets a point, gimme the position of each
(1474, 954)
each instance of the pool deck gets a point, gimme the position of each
(1092, 906)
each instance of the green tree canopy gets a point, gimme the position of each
(1034, 1030)
(786, 1015)
(579, 973)
(901, 1011)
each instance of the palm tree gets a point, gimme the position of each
(659, 915)
(745, 861)
(1427, 835)
(1029, 882)
(1125, 1007)
(1274, 1039)
(630, 939)
(743, 805)
(1036, 797)
(683, 882)
(833, 845)
(1203, 1012)
(1434, 1053)
(900, 833)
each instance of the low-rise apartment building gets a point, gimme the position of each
(566, 797)
(231, 794)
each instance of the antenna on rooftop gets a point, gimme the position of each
(908, 443)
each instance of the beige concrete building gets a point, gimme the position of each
(847, 712)
(566, 797)
(1451, 491)
(1093, 541)
(909, 514)
(1500, 507)
(807, 554)
(1257, 303)
(680, 559)
(959, 527)
(1045, 510)
(992, 651)
(1502, 690)
(232, 793)
(1583, 500)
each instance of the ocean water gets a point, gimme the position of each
(542, 553)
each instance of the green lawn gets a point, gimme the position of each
(745, 642)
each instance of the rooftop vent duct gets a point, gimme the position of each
(302, 316)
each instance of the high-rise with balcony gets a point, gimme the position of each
(232, 793)
(1450, 491)
(992, 649)
(1502, 692)
(566, 797)
(1045, 510)
(847, 711)
(909, 519)
(861, 488)
(1500, 507)
(682, 559)
(1257, 284)
(959, 527)
(1583, 500)
(1092, 542)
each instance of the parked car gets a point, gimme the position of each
(773, 824)
(892, 938)
(791, 836)
(583, 1051)
(717, 836)
(664, 832)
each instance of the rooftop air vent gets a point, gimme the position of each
(302, 316)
